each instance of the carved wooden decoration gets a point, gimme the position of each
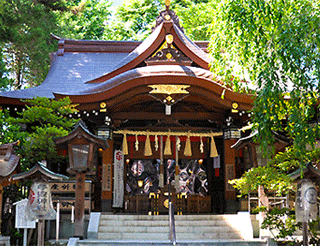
(169, 56)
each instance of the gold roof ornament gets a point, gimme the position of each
(167, 2)
(169, 89)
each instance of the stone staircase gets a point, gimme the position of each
(191, 230)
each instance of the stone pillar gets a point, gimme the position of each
(107, 178)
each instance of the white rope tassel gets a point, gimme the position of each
(178, 144)
(201, 145)
(137, 143)
(156, 143)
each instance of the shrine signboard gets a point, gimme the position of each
(21, 220)
(64, 192)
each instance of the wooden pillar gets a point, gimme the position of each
(230, 171)
(253, 155)
(79, 205)
(40, 232)
(1, 193)
(107, 178)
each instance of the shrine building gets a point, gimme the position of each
(166, 117)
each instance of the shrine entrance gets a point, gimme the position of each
(195, 182)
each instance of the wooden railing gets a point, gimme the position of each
(158, 203)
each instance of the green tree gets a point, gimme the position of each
(276, 43)
(45, 120)
(133, 20)
(86, 19)
(25, 40)
(196, 18)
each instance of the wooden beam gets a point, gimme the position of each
(177, 116)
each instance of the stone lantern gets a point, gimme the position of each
(81, 146)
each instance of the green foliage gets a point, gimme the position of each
(86, 19)
(25, 40)
(269, 177)
(133, 20)
(8, 132)
(275, 45)
(196, 18)
(283, 221)
(46, 119)
(275, 175)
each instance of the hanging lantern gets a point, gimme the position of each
(306, 201)
(39, 204)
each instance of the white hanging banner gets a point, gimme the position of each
(118, 187)
(306, 201)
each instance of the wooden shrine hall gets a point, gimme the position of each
(167, 118)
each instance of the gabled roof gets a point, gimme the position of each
(282, 141)
(80, 130)
(309, 172)
(8, 160)
(115, 72)
(151, 45)
(39, 170)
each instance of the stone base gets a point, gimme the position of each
(4, 241)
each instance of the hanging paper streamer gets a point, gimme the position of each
(167, 148)
(216, 162)
(201, 145)
(156, 143)
(216, 165)
(125, 145)
(136, 145)
(187, 149)
(213, 149)
(178, 144)
(147, 147)
(177, 178)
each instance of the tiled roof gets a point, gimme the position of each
(40, 170)
(70, 72)
(78, 62)
(8, 160)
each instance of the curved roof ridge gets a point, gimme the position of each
(138, 77)
(132, 56)
(175, 70)
(193, 47)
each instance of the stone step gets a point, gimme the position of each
(168, 243)
(154, 236)
(188, 227)
(152, 223)
(165, 217)
(160, 229)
